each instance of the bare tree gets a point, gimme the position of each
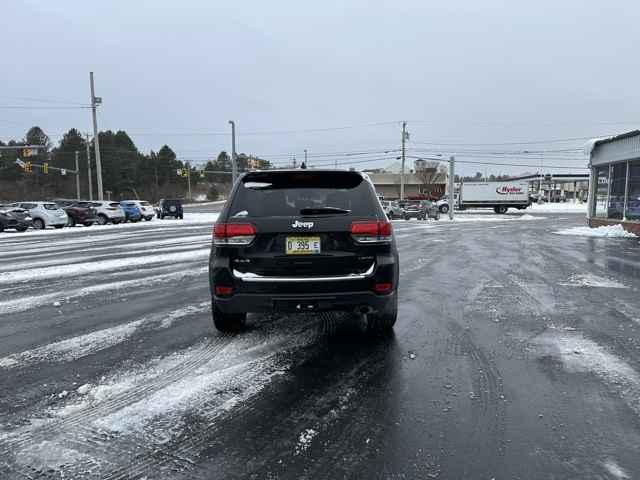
(431, 174)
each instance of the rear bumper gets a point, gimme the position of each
(298, 303)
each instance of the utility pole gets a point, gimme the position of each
(89, 168)
(404, 137)
(77, 176)
(234, 166)
(188, 181)
(95, 101)
(452, 196)
(305, 156)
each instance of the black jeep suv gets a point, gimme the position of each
(303, 241)
(170, 208)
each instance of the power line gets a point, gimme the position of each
(528, 142)
(43, 107)
(43, 100)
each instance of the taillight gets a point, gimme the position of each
(372, 232)
(233, 233)
(223, 291)
(383, 288)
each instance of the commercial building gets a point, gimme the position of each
(422, 181)
(614, 189)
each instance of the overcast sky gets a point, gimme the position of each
(460, 72)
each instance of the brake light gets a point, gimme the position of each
(372, 232)
(383, 288)
(223, 291)
(233, 233)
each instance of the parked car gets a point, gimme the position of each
(108, 212)
(14, 217)
(44, 214)
(421, 210)
(170, 208)
(303, 241)
(131, 211)
(78, 212)
(146, 209)
(393, 209)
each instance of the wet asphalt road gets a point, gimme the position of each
(516, 355)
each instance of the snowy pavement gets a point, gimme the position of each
(516, 355)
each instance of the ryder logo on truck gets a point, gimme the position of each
(504, 190)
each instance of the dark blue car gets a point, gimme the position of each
(131, 211)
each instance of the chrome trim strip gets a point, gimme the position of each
(252, 277)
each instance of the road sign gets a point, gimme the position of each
(63, 171)
(20, 163)
(179, 172)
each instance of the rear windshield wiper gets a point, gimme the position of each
(324, 211)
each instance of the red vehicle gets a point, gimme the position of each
(78, 212)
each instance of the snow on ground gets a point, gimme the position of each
(101, 266)
(23, 304)
(605, 231)
(83, 345)
(565, 207)
(581, 355)
(590, 280)
(614, 469)
(203, 204)
(189, 218)
(304, 440)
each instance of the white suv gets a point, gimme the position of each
(146, 209)
(107, 211)
(45, 214)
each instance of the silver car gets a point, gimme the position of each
(44, 214)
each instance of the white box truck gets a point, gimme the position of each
(497, 195)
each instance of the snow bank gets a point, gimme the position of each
(197, 218)
(605, 231)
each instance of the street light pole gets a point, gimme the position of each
(452, 197)
(89, 168)
(404, 136)
(77, 176)
(234, 166)
(95, 101)
(188, 181)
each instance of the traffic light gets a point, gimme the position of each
(28, 167)
(185, 172)
(45, 168)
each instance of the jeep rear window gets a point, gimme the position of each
(285, 194)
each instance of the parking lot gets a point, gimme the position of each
(516, 350)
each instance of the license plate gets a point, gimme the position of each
(303, 245)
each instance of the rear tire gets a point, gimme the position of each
(385, 320)
(20, 229)
(501, 209)
(444, 208)
(38, 224)
(227, 322)
(102, 219)
(1, 228)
